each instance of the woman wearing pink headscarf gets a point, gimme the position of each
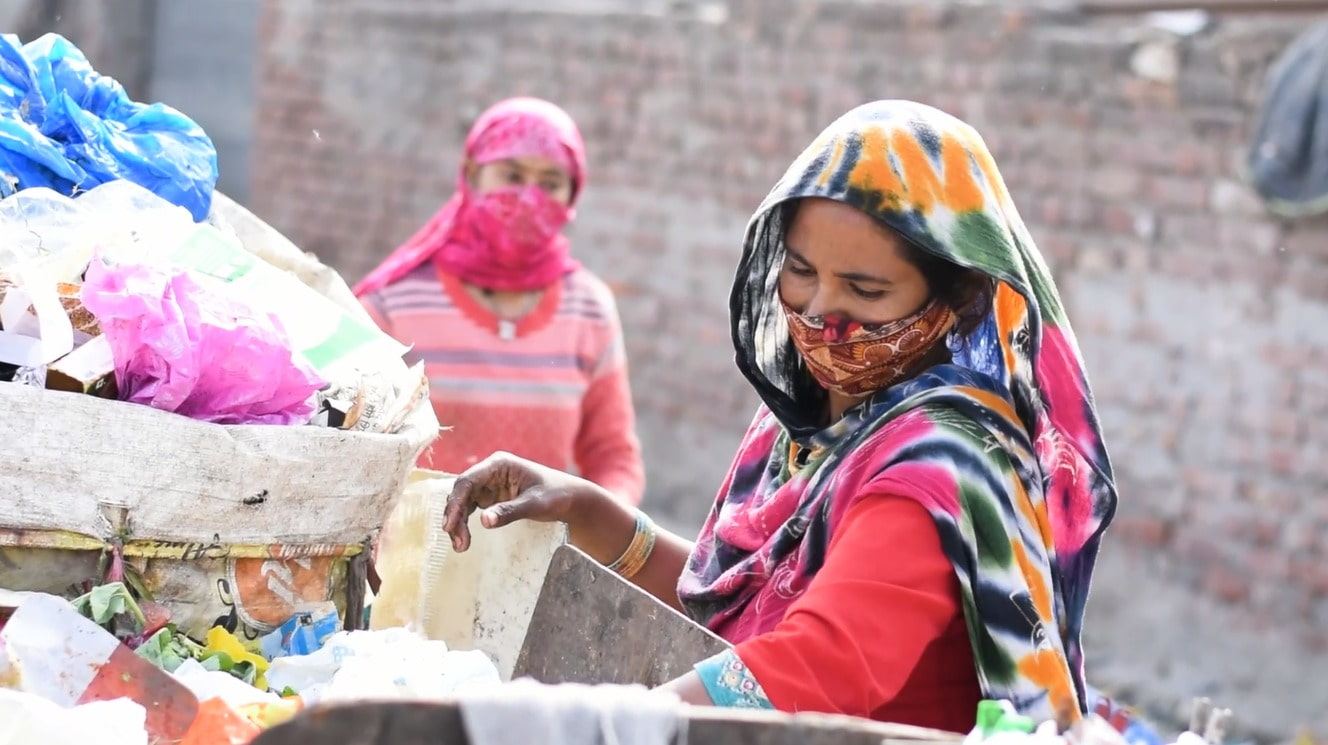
(522, 346)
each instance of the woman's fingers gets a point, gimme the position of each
(489, 483)
(531, 504)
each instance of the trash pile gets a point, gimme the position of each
(204, 434)
(119, 294)
(108, 664)
(999, 724)
(118, 280)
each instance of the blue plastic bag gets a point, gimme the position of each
(66, 127)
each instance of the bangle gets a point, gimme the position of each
(638, 551)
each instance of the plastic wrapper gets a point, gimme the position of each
(304, 633)
(84, 323)
(391, 664)
(358, 402)
(40, 224)
(47, 240)
(197, 351)
(999, 724)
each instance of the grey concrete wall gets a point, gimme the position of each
(205, 64)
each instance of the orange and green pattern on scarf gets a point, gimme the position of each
(1009, 425)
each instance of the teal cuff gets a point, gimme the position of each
(730, 684)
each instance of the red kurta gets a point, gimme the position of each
(880, 632)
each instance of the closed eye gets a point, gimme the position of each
(866, 294)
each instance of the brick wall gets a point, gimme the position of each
(1201, 318)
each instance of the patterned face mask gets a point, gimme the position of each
(853, 359)
(519, 227)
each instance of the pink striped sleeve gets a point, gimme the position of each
(374, 308)
(607, 449)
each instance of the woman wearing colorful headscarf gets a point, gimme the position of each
(523, 347)
(911, 522)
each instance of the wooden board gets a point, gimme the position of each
(383, 723)
(591, 626)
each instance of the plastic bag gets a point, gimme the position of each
(195, 350)
(26, 718)
(209, 684)
(337, 344)
(67, 127)
(394, 664)
(46, 242)
(57, 233)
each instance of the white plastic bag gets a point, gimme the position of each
(209, 684)
(26, 718)
(391, 664)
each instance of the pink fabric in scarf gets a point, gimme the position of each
(517, 127)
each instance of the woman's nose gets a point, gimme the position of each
(822, 304)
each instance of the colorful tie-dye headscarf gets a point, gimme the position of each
(1003, 444)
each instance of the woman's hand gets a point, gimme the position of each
(507, 489)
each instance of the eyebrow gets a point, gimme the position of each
(850, 276)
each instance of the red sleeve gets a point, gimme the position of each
(607, 450)
(848, 645)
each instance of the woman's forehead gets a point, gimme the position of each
(817, 218)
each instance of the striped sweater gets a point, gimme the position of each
(551, 387)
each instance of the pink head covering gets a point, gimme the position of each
(517, 127)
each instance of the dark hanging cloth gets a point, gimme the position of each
(1288, 158)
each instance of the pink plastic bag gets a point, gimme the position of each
(183, 347)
